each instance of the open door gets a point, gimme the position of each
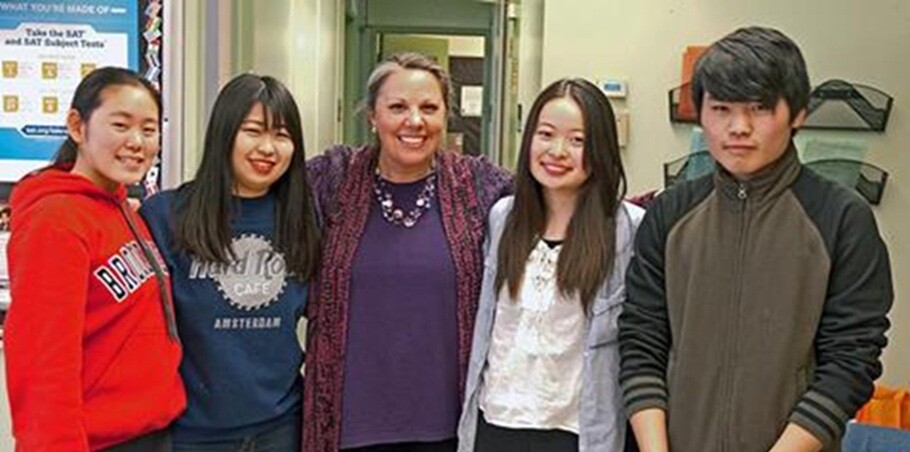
(463, 35)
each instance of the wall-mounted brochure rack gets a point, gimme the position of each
(868, 180)
(840, 105)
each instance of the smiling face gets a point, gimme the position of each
(745, 137)
(118, 142)
(558, 146)
(260, 155)
(409, 118)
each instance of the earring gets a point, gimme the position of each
(373, 129)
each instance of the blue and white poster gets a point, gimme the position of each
(46, 47)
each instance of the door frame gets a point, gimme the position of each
(362, 47)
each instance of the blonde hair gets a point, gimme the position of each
(409, 61)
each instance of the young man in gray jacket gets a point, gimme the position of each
(757, 297)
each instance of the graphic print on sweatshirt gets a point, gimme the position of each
(255, 279)
(126, 270)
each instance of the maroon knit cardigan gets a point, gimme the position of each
(342, 180)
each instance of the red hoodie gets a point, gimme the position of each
(88, 358)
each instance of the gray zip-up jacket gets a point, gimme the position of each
(601, 421)
(753, 304)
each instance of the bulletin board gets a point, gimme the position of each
(46, 47)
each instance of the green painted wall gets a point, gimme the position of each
(437, 49)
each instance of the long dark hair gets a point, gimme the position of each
(87, 98)
(587, 254)
(206, 206)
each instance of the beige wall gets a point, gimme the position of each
(191, 103)
(295, 41)
(530, 63)
(316, 38)
(642, 41)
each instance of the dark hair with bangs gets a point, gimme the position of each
(587, 254)
(753, 64)
(89, 95)
(207, 205)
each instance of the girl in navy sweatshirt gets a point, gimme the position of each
(240, 241)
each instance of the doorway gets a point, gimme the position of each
(464, 36)
(463, 57)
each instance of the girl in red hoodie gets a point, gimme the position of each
(91, 347)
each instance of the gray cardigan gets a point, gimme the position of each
(601, 420)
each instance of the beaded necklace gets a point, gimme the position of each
(397, 215)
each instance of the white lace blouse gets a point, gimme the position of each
(534, 366)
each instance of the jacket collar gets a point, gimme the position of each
(766, 185)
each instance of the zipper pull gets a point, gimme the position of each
(741, 193)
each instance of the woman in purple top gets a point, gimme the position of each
(393, 309)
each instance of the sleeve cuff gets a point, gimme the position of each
(821, 416)
(643, 392)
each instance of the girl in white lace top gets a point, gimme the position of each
(543, 373)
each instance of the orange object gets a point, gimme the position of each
(887, 408)
(686, 107)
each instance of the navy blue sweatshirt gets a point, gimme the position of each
(241, 362)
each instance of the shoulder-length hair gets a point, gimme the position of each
(205, 207)
(586, 257)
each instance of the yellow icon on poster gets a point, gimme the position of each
(10, 69)
(48, 70)
(49, 105)
(10, 104)
(86, 68)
